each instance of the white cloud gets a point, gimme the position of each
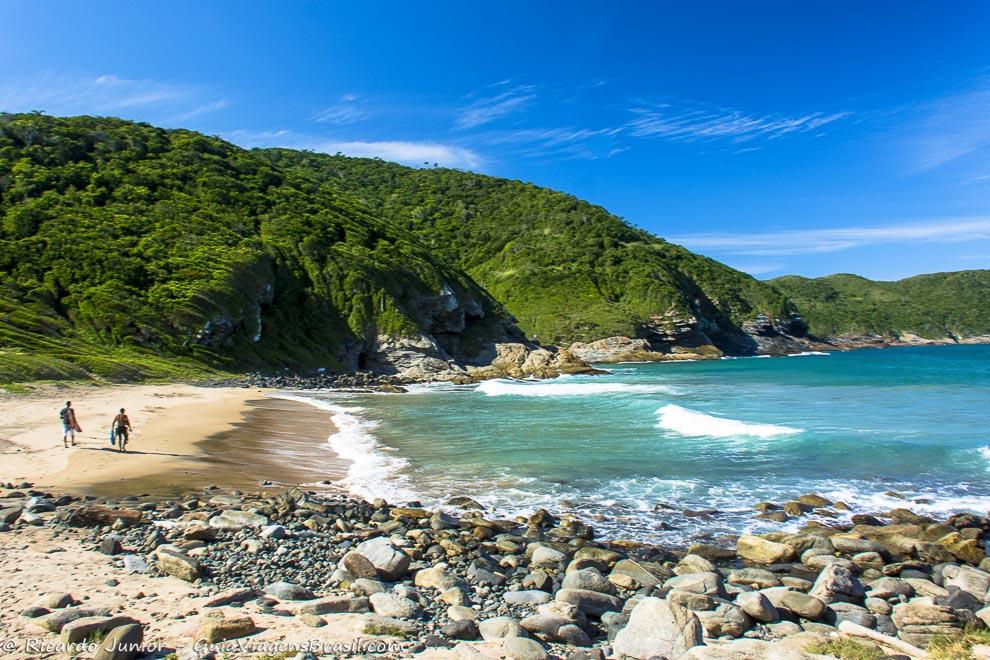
(411, 153)
(399, 151)
(945, 130)
(696, 122)
(147, 100)
(811, 241)
(489, 109)
(347, 110)
(760, 268)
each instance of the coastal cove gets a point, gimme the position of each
(669, 453)
(674, 452)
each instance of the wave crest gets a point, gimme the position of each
(501, 387)
(372, 472)
(692, 423)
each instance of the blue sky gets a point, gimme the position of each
(778, 137)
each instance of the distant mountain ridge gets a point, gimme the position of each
(129, 251)
(937, 306)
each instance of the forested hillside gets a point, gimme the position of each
(933, 306)
(123, 244)
(568, 270)
(129, 251)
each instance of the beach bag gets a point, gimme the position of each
(113, 438)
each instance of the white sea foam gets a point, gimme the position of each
(697, 424)
(372, 471)
(807, 353)
(503, 387)
(985, 453)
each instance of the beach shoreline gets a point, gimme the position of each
(184, 436)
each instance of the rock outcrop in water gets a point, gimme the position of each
(458, 582)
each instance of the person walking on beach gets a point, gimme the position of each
(69, 424)
(121, 427)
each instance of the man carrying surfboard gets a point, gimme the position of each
(121, 427)
(69, 424)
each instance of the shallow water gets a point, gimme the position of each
(719, 434)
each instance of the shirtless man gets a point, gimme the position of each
(121, 427)
(69, 424)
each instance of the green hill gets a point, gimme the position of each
(129, 251)
(566, 269)
(934, 306)
(124, 246)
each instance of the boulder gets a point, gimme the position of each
(394, 605)
(754, 577)
(215, 627)
(693, 564)
(725, 620)
(432, 577)
(839, 612)
(590, 602)
(889, 587)
(520, 648)
(460, 613)
(709, 584)
(464, 629)
(836, 583)
(971, 580)
(239, 595)
(763, 551)
(918, 621)
(366, 587)
(336, 605)
(658, 629)
(692, 601)
(390, 562)
(358, 566)
(646, 574)
(57, 620)
(234, 520)
(55, 601)
(544, 626)
(78, 630)
(850, 545)
(96, 515)
(500, 627)
(589, 579)
(800, 604)
(289, 591)
(121, 643)
(178, 564)
(199, 532)
(375, 624)
(527, 597)
(547, 556)
(757, 606)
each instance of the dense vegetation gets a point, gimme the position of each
(934, 306)
(566, 269)
(122, 244)
(129, 251)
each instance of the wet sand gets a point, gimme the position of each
(184, 438)
(278, 441)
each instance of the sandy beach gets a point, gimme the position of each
(184, 438)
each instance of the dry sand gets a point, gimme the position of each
(184, 438)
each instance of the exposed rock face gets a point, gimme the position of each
(411, 358)
(517, 360)
(618, 349)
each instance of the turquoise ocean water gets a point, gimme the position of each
(700, 435)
